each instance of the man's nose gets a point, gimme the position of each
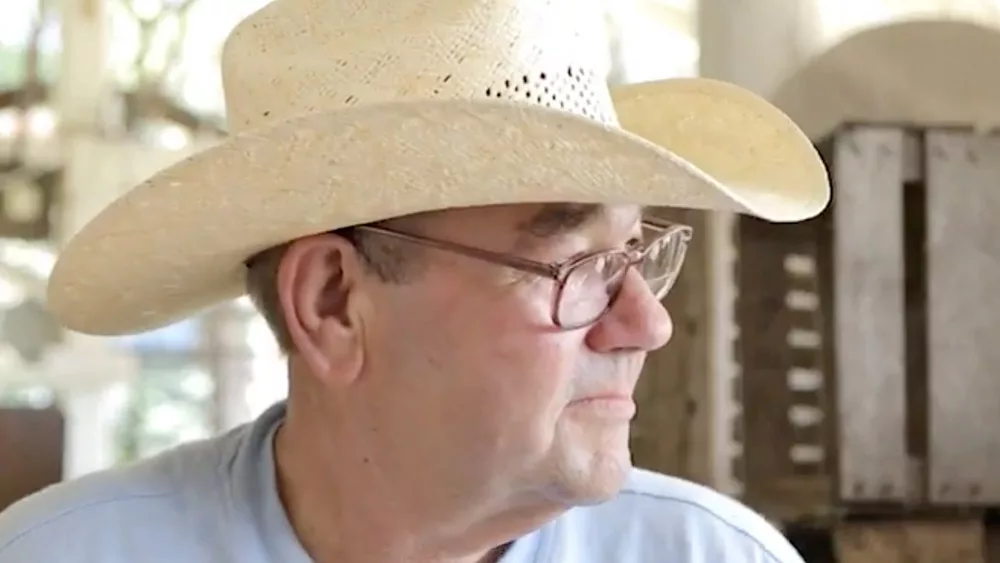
(635, 322)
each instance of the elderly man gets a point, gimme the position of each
(437, 209)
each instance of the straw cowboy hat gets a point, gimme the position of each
(343, 112)
(928, 73)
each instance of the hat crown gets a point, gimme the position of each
(296, 57)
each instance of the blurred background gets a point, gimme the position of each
(96, 95)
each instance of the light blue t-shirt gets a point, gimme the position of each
(216, 502)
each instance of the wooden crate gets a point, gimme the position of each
(911, 541)
(784, 466)
(867, 336)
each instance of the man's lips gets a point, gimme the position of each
(606, 396)
(609, 404)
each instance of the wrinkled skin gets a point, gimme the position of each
(438, 418)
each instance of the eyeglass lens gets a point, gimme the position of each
(591, 286)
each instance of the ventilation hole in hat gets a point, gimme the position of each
(572, 90)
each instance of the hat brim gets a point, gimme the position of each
(177, 243)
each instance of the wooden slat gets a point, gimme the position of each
(963, 185)
(869, 315)
(777, 339)
(910, 542)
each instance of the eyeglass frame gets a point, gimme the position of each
(558, 271)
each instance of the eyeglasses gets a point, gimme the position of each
(587, 286)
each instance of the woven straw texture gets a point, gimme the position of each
(346, 112)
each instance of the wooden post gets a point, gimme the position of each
(783, 379)
(753, 44)
(963, 307)
(868, 303)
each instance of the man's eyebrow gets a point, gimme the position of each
(555, 219)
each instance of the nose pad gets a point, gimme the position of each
(636, 288)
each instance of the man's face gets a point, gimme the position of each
(466, 380)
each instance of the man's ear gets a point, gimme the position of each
(318, 282)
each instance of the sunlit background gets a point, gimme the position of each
(159, 98)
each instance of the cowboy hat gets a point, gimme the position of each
(343, 112)
(931, 73)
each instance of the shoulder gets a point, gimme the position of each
(657, 514)
(97, 513)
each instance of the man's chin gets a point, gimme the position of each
(598, 481)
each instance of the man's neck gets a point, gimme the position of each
(343, 512)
